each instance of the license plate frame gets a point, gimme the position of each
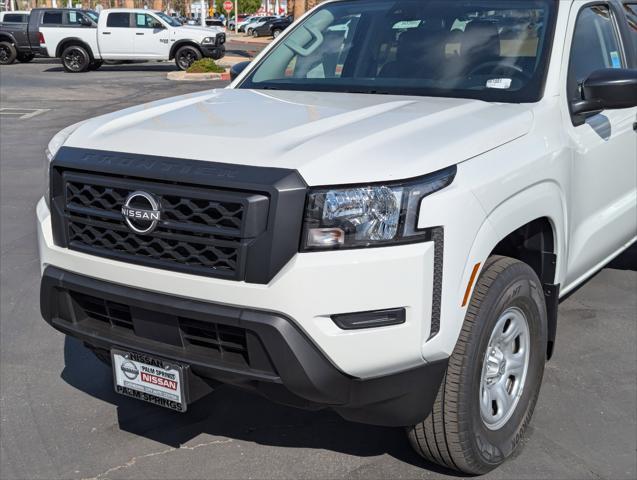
(150, 378)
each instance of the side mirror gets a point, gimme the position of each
(237, 68)
(607, 89)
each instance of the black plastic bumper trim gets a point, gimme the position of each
(302, 376)
(371, 319)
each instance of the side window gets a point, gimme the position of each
(118, 20)
(52, 18)
(74, 17)
(14, 18)
(143, 20)
(631, 15)
(596, 45)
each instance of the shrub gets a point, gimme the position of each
(205, 65)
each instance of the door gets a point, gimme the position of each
(117, 38)
(603, 196)
(151, 37)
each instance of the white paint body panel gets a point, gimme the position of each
(516, 163)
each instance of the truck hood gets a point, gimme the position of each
(328, 137)
(187, 31)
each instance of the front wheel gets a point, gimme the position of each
(494, 374)
(186, 56)
(75, 59)
(7, 53)
(255, 34)
(276, 32)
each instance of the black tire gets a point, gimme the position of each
(276, 32)
(75, 59)
(454, 435)
(25, 57)
(255, 34)
(8, 53)
(249, 32)
(186, 56)
(95, 64)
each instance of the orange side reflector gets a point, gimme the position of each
(467, 292)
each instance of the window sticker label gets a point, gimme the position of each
(615, 60)
(499, 83)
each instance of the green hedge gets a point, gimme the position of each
(205, 65)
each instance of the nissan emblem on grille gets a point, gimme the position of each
(141, 212)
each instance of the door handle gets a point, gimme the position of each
(139, 33)
(106, 33)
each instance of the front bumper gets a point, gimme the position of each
(307, 290)
(213, 51)
(251, 349)
(216, 50)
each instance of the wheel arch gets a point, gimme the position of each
(529, 226)
(182, 43)
(7, 37)
(67, 42)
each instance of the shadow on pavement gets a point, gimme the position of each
(129, 67)
(627, 260)
(238, 415)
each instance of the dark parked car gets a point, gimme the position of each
(21, 41)
(272, 27)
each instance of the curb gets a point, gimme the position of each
(198, 77)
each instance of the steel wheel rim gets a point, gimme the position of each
(504, 369)
(73, 59)
(186, 59)
(276, 33)
(4, 53)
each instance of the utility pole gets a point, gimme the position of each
(203, 16)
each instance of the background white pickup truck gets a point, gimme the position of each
(130, 34)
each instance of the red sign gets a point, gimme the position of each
(162, 382)
(228, 6)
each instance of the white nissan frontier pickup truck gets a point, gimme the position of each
(129, 34)
(388, 234)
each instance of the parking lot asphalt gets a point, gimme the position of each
(61, 419)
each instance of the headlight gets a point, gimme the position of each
(368, 216)
(52, 149)
(207, 40)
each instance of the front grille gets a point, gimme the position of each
(229, 221)
(202, 231)
(224, 342)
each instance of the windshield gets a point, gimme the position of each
(485, 49)
(168, 19)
